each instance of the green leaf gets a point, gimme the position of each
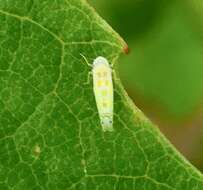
(50, 133)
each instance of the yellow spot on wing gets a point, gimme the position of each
(99, 83)
(104, 93)
(107, 83)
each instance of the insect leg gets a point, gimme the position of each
(114, 61)
(115, 75)
(88, 78)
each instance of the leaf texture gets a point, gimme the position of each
(50, 133)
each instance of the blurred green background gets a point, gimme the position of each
(163, 74)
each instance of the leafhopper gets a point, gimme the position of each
(103, 91)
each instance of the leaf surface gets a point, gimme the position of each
(50, 133)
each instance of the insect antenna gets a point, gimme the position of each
(86, 61)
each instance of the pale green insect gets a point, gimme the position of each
(103, 91)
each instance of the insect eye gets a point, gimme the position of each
(110, 122)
